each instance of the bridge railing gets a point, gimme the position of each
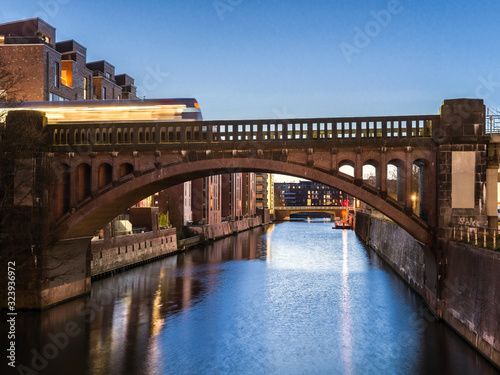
(311, 208)
(196, 132)
(478, 236)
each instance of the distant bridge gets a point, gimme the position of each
(284, 212)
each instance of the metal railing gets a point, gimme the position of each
(488, 238)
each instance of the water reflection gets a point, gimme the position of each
(346, 334)
(290, 298)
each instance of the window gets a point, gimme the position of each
(67, 73)
(56, 98)
(103, 93)
(85, 87)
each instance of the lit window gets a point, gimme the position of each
(85, 84)
(67, 73)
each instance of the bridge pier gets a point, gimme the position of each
(46, 276)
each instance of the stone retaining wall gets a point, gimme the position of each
(114, 253)
(470, 296)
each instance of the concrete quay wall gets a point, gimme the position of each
(113, 253)
(469, 301)
(396, 247)
(227, 228)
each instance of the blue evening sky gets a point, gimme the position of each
(245, 59)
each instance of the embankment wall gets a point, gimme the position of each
(469, 299)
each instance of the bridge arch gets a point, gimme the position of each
(109, 203)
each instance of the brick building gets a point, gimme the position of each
(50, 71)
(232, 193)
(206, 201)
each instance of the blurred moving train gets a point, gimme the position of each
(128, 110)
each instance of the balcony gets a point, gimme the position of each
(23, 40)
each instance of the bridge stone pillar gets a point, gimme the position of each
(383, 171)
(407, 181)
(461, 165)
(492, 186)
(45, 269)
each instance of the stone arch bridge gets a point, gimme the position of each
(98, 170)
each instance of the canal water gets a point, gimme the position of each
(291, 298)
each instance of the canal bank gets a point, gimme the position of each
(469, 299)
(114, 253)
(290, 298)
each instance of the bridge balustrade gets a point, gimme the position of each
(187, 132)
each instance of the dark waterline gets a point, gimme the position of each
(292, 298)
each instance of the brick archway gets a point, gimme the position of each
(103, 208)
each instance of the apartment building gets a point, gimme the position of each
(309, 193)
(48, 70)
(232, 193)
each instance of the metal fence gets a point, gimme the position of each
(488, 238)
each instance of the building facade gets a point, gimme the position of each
(47, 70)
(232, 193)
(309, 193)
(206, 201)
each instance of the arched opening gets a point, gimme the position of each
(163, 135)
(148, 138)
(84, 136)
(105, 175)
(119, 135)
(84, 185)
(97, 136)
(77, 136)
(347, 167)
(125, 169)
(54, 141)
(370, 175)
(141, 135)
(63, 190)
(110, 135)
(395, 180)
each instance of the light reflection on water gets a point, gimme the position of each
(289, 299)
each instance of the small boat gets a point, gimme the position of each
(342, 225)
